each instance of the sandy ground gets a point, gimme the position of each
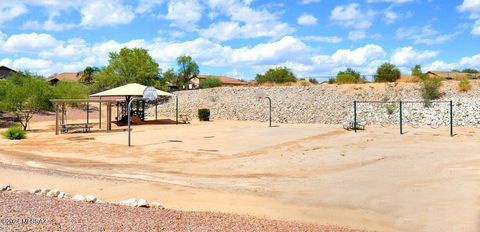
(376, 179)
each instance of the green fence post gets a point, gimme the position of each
(355, 116)
(451, 118)
(176, 111)
(401, 118)
(100, 114)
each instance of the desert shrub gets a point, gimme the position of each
(346, 79)
(349, 76)
(387, 73)
(331, 80)
(276, 75)
(15, 132)
(464, 85)
(431, 89)
(204, 114)
(210, 82)
(313, 81)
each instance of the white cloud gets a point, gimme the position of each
(309, 1)
(324, 39)
(476, 28)
(184, 13)
(145, 6)
(425, 35)
(359, 56)
(229, 30)
(357, 35)
(49, 25)
(465, 62)
(472, 7)
(105, 13)
(350, 16)
(307, 20)
(390, 16)
(409, 56)
(10, 11)
(39, 66)
(29, 43)
(396, 2)
(245, 22)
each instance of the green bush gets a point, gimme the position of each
(431, 89)
(15, 132)
(387, 73)
(276, 75)
(210, 82)
(204, 114)
(313, 81)
(331, 80)
(349, 76)
(464, 85)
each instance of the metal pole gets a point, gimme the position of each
(88, 111)
(156, 110)
(176, 109)
(355, 116)
(128, 118)
(100, 114)
(401, 118)
(56, 119)
(270, 111)
(451, 118)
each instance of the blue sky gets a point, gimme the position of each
(243, 37)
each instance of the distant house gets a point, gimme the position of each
(6, 72)
(66, 76)
(451, 75)
(226, 81)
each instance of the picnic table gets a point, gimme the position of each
(85, 127)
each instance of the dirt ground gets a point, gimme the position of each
(376, 179)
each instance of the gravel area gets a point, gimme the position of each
(21, 211)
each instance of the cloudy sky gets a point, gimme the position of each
(243, 37)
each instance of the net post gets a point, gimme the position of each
(401, 118)
(176, 109)
(451, 118)
(355, 116)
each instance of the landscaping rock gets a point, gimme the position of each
(156, 205)
(53, 193)
(130, 202)
(4, 187)
(90, 198)
(329, 104)
(61, 195)
(36, 191)
(142, 203)
(44, 191)
(78, 197)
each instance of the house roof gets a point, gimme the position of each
(6, 68)
(224, 80)
(447, 74)
(133, 89)
(66, 76)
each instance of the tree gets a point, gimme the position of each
(70, 90)
(87, 75)
(348, 76)
(171, 77)
(387, 73)
(130, 65)
(210, 82)
(276, 75)
(24, 95)
(417, 72)
(470, 70)
(187, 70)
